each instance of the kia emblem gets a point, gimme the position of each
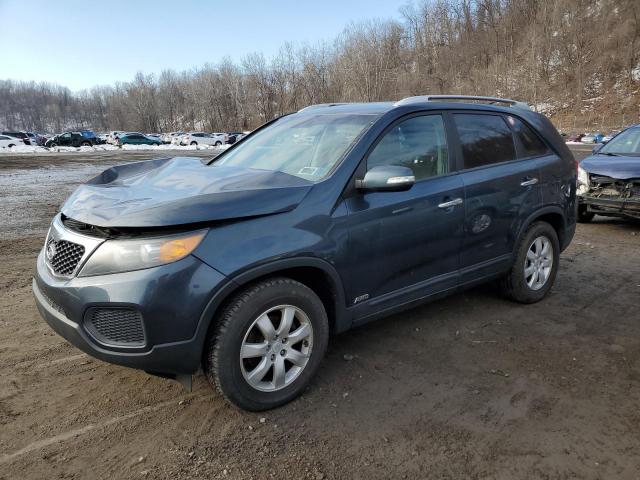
(51, 251)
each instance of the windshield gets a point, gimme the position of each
(625, 143)
(301, 145)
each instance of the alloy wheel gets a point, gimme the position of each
(538, 263)
(276, 348)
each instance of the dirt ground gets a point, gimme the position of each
(472, 386)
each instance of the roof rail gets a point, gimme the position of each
(463, 98)
(320, 105)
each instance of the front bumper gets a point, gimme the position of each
(170, 298)
(629, 207)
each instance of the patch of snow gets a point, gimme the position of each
(543, 107)
(32, 149)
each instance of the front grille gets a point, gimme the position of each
(115, 326)
(63, 256)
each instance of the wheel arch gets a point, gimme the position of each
(317, 274)
(554, 216)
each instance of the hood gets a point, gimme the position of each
(620, 167)
(182, 190)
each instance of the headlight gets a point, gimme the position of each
(583, 181)
(115, 256)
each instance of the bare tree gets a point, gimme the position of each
(559, 55)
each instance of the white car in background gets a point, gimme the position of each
(177, 138)
(201, 138)
(7, 142)
(170, 137)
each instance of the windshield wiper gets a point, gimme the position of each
(609, 154)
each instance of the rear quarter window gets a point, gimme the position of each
(532, 145)
(484, 139)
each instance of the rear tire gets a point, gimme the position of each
(218, 144)
(193, 143)
(86, 144)
(583, 215)
(251, 380)
(12, 145)
(532, 263)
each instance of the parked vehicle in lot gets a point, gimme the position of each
(592, 138)
(17, 134)
(177, 139)
(69, 139)
(7, 142)
(137, 139)
(33, 138)
(317, 222)
(170, 137)
(91, 136)
(201, 138)
(233, 137)
(576, 137)
(609, 180)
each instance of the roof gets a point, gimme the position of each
(373, 108)
(422, 102)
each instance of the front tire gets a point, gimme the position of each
(535, 265)
(193, 143)
(218, 144)
(267, 344)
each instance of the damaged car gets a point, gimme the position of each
(609, 180)
(315, 223)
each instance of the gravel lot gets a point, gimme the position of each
(472, 386)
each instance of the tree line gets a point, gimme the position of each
(559, 55)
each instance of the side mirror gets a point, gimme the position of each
(387, 178)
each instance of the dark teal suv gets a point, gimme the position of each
(316, 222)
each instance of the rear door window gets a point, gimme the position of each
(484, 139)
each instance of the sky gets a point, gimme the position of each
(80, 44)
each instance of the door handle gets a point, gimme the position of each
(450, 203)
(529, 182)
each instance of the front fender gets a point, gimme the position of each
(343, 317)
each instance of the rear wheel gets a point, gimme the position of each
(583, 215)
(86, 144)
(12, 145)
(193, 143)
(535, 265)
(268, 344)
(218, 143)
